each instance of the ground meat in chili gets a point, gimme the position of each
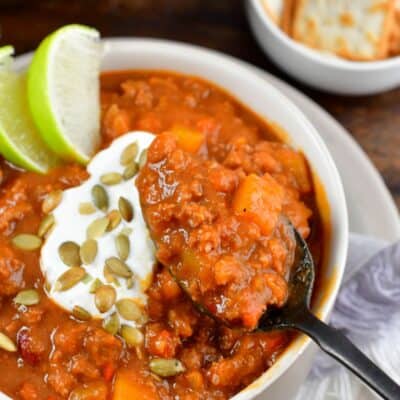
(59, 357)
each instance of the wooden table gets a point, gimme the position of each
(374, 121)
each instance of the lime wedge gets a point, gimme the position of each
(63, 91)
(20, 142)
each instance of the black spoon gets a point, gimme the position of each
(296, 314)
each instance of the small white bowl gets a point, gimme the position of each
(318, 70)
(283, 379)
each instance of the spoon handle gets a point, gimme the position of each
(339, 347)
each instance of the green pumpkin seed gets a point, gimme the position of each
(109, 276)
(142, 158)
(126, 231)
(123, 246)
(87, 279)
(130, 171)
(129, 310)
(125, 208)
(97, 228)
(166, 367)
(47, 223)
(118, 267)
(26, 241)
(80, 313)
(129, 154)
(88, 251)
(47, 287)
(111, 178)
(69, 279)
(132, 336)
(129, 283)
(86, 208)
(95, 285)
(100, 197)
(104, 298)
(115, 219)
(112, 324)
(28, 297)
(52, 200)
(69, 254)
(7, 344)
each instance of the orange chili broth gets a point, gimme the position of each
(66, 176)
(274, 131)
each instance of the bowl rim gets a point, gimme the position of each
(226, 62)
(318, 57)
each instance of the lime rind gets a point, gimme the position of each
(55, 121)
(20, 142)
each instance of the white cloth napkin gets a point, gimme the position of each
(368, 312)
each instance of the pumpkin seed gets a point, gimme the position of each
(100, 197)
(142, 158)
(130, 171)
(125, 208)
(69, 254)
(123, 246)
(129, 283)
(109, 276)
(126, 231)
(88, 251)
(129, 310)
(47, 287)
(69, 279)
(129, 154)
(52, 200)
(118, 267)
(28, 297)
(87, 279)
(115, 219)
(6, 343)
(104, 298)
(80, 313)
(95, 285)
(86, 208)
(132, 336)
(47, 223)
(111, 178)
(166, 367)
(97, 228)
(26, 241)
(112, 324)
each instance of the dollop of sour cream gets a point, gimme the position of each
(71, 225)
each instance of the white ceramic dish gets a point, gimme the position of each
(283, 379)
(320, 71)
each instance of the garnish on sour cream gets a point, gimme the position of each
(113, 283)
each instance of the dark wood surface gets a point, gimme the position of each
(374, 121)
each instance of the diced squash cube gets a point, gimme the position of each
(259, 199)
(188, 139)
(130, 385)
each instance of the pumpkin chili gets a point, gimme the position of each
(215, 191)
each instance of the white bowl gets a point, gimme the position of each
(284, 378)
(318, 70)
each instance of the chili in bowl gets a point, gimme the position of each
(213, 185)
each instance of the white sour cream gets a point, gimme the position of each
(70, 225)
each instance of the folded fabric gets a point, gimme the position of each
(367, 310)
